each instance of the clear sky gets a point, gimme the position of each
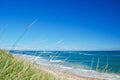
(61, 24)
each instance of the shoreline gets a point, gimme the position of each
(61, 74)
(68, 76)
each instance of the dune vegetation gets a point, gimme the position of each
(13, 68)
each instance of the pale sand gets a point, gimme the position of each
(66, 76)
(60, 74)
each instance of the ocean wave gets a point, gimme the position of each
(88, 54)
(46, 52)
(93, 73)
(67, 67)
(56, 61)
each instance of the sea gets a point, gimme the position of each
(98, 64)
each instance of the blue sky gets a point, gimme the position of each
(61, 24)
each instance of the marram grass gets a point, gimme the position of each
(12, 68)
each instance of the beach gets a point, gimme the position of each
(60, 74)
(68, 76)
(69, 63)
(21, 66)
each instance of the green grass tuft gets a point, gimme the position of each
(12, 68)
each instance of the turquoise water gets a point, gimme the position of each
(102, 61)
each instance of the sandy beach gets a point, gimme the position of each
(66, 75)
(61, 74)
